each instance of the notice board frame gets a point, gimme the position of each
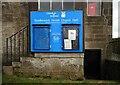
(60, 24)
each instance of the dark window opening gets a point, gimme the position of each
(92, 61)
(68, 5)
(56, 5)
(44, 5)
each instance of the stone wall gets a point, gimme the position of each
(113, 50)
(52, 67)
(14, 16)
(1, 51)
(112, 61)
(97, 33)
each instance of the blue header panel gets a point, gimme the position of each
(56, 31)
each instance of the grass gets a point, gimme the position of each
(15, 79)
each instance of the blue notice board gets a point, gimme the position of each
(56, 31)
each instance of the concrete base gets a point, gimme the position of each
(8, 70)
(58, 68)
(16, 64)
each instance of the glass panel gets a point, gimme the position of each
(45, 5)
(56, 5)
(70, 37)
(68, 5)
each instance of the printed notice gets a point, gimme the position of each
(72, 34)
(67, 44)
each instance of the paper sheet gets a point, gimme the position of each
(67, 44)
(72, 34)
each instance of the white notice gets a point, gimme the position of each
(72, 34)
(67, 44)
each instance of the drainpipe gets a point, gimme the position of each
(38, 5)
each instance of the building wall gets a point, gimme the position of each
(97, 33)
(1, 51)
(14, 17)
(112, 62)
(97, 30)
(113, 50)
(57, 65)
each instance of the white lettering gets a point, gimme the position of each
(66, 20)
(40, 20)
(55, 20)
(75, 20)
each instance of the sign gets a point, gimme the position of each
(72, 34)
(52, 24)
(68, 44)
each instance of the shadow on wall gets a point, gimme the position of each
(112, 63)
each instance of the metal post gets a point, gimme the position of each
(10, 50)
(23, 43)
(27, 41)
(19, 46)
(15, 48)
(6, 51)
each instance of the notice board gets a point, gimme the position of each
(56, 31)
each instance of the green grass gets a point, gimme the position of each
(15, 79)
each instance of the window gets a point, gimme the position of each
(44, 6)
(68, 5)
(56, 5)
(94, 8)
